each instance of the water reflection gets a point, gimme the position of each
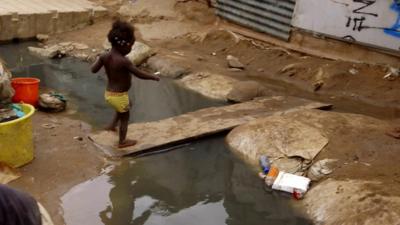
(200, 184)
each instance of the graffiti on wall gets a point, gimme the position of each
(371, 22)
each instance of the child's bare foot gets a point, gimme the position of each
(127, 143)
(395, 133)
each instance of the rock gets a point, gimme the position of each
(318, 85)
(80, 46)
(321, 168)
(306, 133)
(167, 67)
(234, 62)
(140, 52)
(106, 44)
(42, 37)
(52, 52)
(246, 90)
(8, 174)
(65, 44)
(52, 102)
(351, 202)
(277, 137)
(81, 56)
(210, 85)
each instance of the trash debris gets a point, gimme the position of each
(6, 90)
(282, 181)
(321, 168)
(213, 53)
(235, 70)
(12, 112)
(393, 74)
(78, 138)
(296, 185)
(265, 164)
(353, 71)
(234, 62)
(52, 102)
(49, 126)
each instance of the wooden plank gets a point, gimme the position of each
(200, 123)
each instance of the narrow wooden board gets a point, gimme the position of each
(200, 123)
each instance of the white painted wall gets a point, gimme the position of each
(353, 19)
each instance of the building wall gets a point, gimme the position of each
(369, 22)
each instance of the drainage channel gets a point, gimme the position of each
(202, 183)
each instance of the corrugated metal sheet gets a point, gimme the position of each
(269, 16)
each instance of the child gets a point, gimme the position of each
(119, 69)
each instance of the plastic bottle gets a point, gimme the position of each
(271, 176)
(265, 164)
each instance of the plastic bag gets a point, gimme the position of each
(6, 90)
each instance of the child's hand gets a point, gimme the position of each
(156, 78)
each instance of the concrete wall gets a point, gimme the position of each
(32, 17)
(370, 22)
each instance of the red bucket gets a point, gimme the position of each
(26, 90)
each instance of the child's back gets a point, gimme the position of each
(119, 70)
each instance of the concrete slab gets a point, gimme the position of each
(200, 123)
(27, 18)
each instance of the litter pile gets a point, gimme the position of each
(52, 102)
(282, 181)
(7, 110)
(11, 112)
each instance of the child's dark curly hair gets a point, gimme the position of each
(121, 33)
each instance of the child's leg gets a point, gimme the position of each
(113, 125)
(123, 129)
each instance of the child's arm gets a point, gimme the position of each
(139, 73)
(97, 65)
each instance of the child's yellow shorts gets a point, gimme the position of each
(118, 100)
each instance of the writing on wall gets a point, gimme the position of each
(370, 22)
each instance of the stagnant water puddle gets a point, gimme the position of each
(200, 183)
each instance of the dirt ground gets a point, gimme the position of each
(63, 158)
(188, 30)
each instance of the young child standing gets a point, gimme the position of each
(119, 69)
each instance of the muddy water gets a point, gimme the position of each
(200, 183)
